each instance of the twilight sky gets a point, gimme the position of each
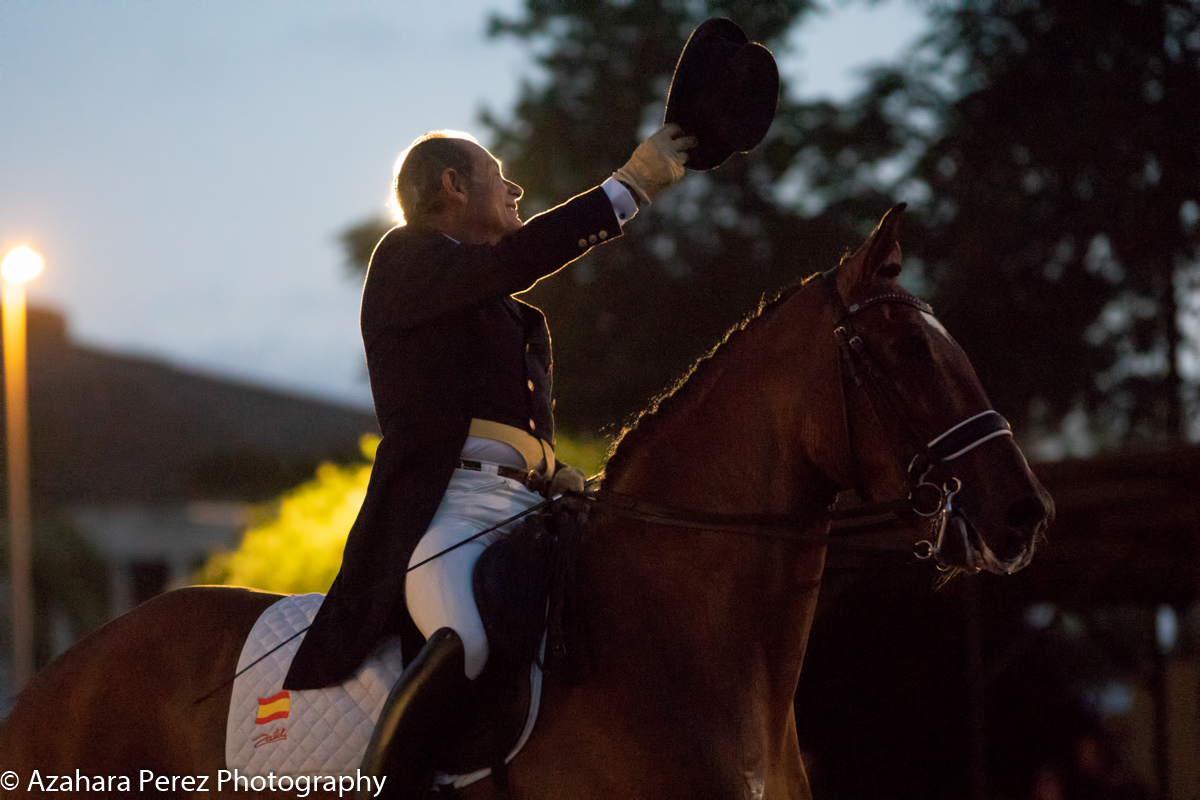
(185, 167)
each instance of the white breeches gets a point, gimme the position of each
(439, 593)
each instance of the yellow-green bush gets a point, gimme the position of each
(299, 549)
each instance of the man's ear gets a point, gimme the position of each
(454, 185)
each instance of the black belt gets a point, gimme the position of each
(533, 481)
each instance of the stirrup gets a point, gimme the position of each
(418, 718)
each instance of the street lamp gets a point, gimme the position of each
(19, 266)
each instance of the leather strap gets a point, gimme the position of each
(833, 524)
(533, 481)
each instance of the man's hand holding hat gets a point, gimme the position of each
(657, 163)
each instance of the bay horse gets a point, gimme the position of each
(696, 580)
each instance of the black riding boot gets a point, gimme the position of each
(418, 719)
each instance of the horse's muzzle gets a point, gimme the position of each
(960, 546)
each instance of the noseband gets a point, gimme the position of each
(925, 498)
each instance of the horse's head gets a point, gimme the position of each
(919, 423)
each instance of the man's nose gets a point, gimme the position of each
(515, 190)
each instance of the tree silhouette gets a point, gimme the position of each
(358, 242)
(1055, 166)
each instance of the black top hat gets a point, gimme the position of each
(724, 92)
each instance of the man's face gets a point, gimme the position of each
(492, 200)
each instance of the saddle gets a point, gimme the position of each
(522, 587)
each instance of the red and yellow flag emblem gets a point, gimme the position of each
(272, 708)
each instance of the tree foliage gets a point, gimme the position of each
(1053, 151)
(358, 242)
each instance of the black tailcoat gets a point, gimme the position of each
(446, 343)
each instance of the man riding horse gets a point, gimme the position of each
(460, 372)
(693, 591)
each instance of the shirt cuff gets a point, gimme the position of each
(624, 206)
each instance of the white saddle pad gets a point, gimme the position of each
(315, 731)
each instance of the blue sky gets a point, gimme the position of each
(185, 167)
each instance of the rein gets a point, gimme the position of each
(925, 499)
(836, 522)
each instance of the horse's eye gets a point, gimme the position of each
(913, 348)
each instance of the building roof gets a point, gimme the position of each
(108, 428)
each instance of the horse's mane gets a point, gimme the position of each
(689, 385)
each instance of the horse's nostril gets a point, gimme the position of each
(1025, 513)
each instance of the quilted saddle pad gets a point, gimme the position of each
(315, 731)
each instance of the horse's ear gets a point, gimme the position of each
(877, 257)
(883, 257)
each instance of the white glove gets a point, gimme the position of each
(566, 479)
(568, 484)
(657, 162)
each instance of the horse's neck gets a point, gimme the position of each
(717, 608)
(747, 435)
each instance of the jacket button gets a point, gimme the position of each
(592, 238)
(529, 384)
(603, 235)
(583, 242)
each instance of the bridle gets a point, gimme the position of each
(927, 500)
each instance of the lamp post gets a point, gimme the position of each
(19, 266)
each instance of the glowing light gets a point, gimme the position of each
(21, 265)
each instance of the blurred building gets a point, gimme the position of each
(1075, 679)
(141, 469)
(1120, 579)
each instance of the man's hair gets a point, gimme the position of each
(418, 181)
